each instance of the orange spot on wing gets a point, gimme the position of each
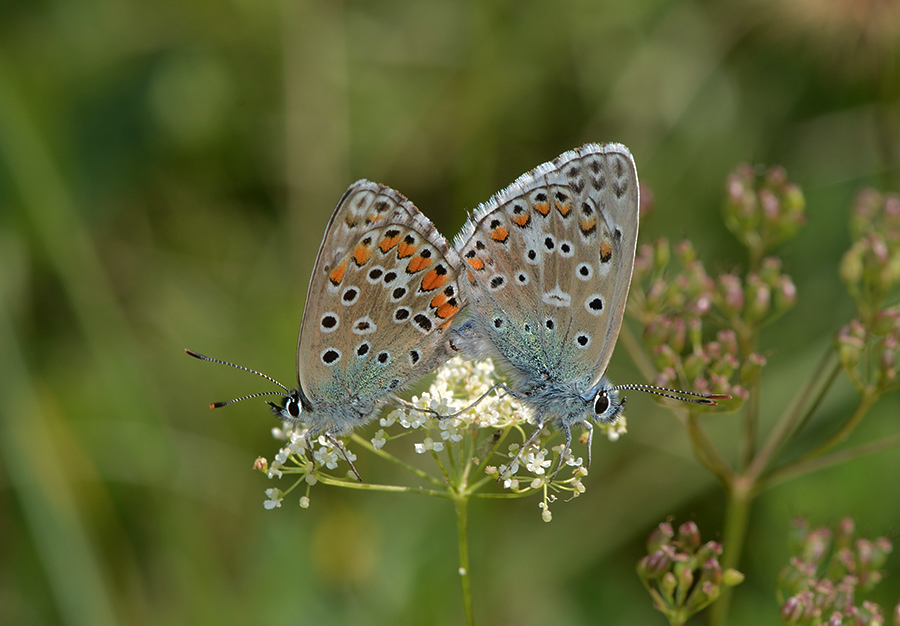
(471, 276)
(564, 209)
(388, 242)
(476, 263)
(439, 300)
(337, 274)
(500, 234)
(588, 226)
(417, 264)
(433, 280)
(447, 311)
(362, 254)
(605, 251)
(405, 249)
(542, 207)
(522, 220)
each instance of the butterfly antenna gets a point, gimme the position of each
(219, 405)
(676, 394)
(216, 405)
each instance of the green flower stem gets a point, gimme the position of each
(461, 500)
(870, 395)
(677, 618)
(454, 467)
(510, 495)
(868, 398)
(659, 603)
(749, 340)
(834, 369)
(749, 426)
(462, 468)
(437, 460)
(637, 353)
(706, 452)
(792, 421)
(842, 456)
(740, 496)
(365, 443)
(479, 471)
(353, 484)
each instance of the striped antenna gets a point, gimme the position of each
(675, 394)
(217, 405)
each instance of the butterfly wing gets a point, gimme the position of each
(547, 264)
(383, 289)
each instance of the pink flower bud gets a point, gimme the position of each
(793, 610)
(662, 253)
(843, 534)
(731, 294)
(816, 546)
(758, 296)
(695, 364)
(654, 565)
(886, 321)
(689, 536)
(678, 335)
(685, 253)
(661, 536)
(785, 294)
(752, 367)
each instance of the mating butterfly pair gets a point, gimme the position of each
(544, 267)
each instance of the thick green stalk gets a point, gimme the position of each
(462, 528)
(741, 492)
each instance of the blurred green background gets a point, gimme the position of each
(166, 172)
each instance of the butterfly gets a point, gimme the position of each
(383, 293)
(547, 264)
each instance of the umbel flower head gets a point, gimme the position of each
(828, 572)
(869, 345)
(762, 209)
(871, 267)
(681, 573)
(695, 325)
(471, 432)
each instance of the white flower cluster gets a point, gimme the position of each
(457, 385)
(615, 430)
(325, 454)
(460, 408)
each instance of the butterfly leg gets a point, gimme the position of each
(480, 398)
(400, 403)
(537, 431)
(562, 456)
(590, 441)
(309, 450)
(409, 405)
(340, 446)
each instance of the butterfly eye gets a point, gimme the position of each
(601, 403)
(292, 406)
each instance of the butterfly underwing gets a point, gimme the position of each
(547, 264)
(383, 292)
